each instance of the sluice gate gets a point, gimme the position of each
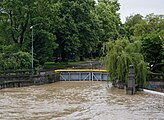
(82, 75)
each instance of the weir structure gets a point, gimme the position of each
(82, 74)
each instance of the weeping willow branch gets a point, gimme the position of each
(119, 55)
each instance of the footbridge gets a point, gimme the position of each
(82, 74)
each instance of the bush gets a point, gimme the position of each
(19, 60)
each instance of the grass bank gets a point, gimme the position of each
(88, 64)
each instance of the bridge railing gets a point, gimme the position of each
(82, 74)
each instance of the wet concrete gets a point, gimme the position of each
(81, 100)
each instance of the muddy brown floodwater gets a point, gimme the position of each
(78, 101)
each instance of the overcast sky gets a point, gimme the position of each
(143, 7)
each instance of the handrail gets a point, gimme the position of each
(80, 70)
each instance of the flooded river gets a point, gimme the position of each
(78, 101)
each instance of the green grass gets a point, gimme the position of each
(59, 65)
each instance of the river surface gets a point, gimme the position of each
(78, 101)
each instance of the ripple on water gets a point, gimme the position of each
(84, 100)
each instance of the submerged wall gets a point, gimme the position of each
(21, 80)
(155, 81)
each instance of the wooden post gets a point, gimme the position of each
(131, 81)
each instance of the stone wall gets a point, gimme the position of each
(9, 81)
(155, 81)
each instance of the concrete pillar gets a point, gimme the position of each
(131, 81)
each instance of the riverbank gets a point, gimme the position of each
(22, 78)
(48, 76)
(88, 64)
(10, 79)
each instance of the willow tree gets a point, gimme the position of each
(119, 55)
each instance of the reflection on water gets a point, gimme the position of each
(78, 101)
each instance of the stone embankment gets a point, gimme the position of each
(9, 79)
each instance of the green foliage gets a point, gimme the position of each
(59, 65)
(70, 29)
(131, 21)
(141, 74)
(152, 48)
(151, 23)
(109, 19)
(53, 65)
(19, 60)
(150, 30)
(23, 60)
(122, 53)
(76, 33)
(15, 19)
(44, 45)
(82, 28)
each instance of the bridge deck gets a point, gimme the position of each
(80, 70)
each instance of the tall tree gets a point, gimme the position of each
(109, 19)
(16, 18)
(153, 50)
(151, 23)
(131, 21)
(88, 28)
(76, 31)
(44, 46)
(151, 32)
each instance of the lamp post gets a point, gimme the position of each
(32, 46)
(32, 49)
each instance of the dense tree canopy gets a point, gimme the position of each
(151, 23)
(74, 30)
(131, 21)
(64, 29)
(149, 30)
(142, 47)
(153, 50)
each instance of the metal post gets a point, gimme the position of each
(32, 49)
